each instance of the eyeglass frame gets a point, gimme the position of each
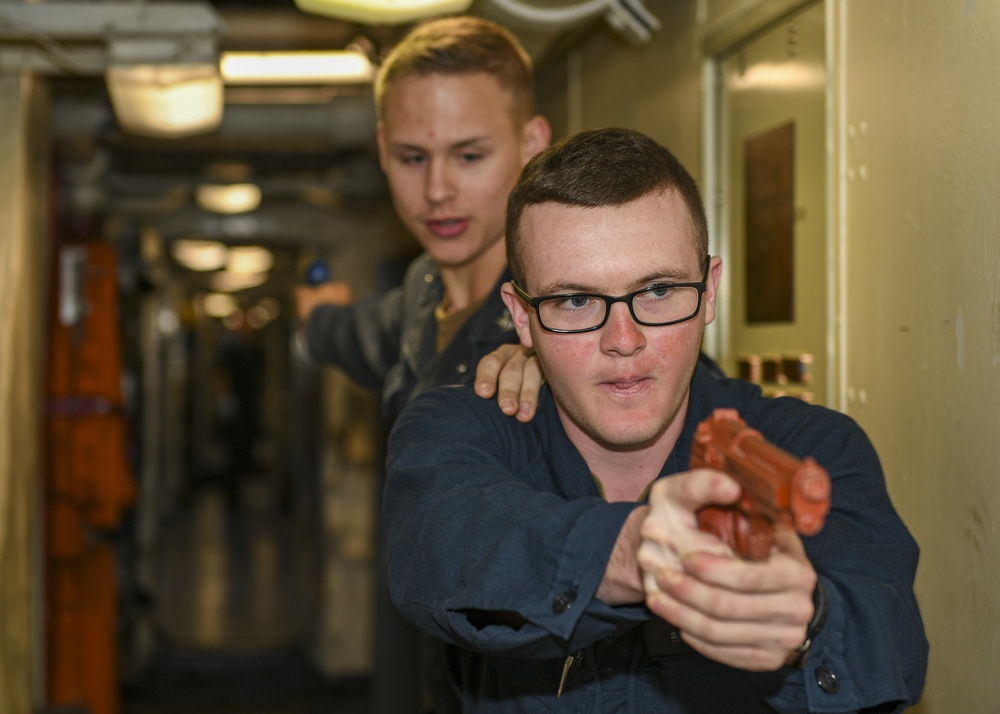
(609, 300)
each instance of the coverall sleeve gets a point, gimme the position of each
(872, 652)
(362, 339)
(484, 549)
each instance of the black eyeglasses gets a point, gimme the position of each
(655, 306)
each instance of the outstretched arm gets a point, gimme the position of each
(307, 297)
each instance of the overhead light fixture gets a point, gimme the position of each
(199, 255)
(249, 259)
(226, 281)
(306, 67)
(219, 305)
(166, 101)
(630, 18)
(228, 198)
(383, 12)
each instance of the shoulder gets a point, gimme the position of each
(454, 424)
(796, 426)
(811, 430)
(421, 270)
(454, 411)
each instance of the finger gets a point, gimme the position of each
(511, 380)
(488, 370)
(787, 569)
(653, 557)
(530, 386)
(785, 610)
(756, 656)
(672, 522)
(716, 629)
(696, 489)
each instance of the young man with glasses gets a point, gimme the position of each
(563, 556)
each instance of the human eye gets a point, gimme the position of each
(575, 307)
(576, 303)
(471, 157)
(411, 159)
(571, 312)
(657, 292)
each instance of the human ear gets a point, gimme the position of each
(712, 287)
(519, 313)
(535, 136)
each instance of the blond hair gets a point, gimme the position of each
(460, 46)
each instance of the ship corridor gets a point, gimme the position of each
(230, 549)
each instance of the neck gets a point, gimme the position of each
(471, 282)
(625, 476)
(626, 471)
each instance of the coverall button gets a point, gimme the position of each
(827, 680)
(428, 278)
(563, 602)
(461, 368)
(610, 672)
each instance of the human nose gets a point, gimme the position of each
(438, 183)
(621, 333)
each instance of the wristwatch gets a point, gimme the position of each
(820, 610)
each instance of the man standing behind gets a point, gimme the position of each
(532, 546)
(456, 124)
(455, 105)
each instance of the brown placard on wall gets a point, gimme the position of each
(770, 228)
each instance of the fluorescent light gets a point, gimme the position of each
(382, 12)
(202, 255)
(228, 198)
(295, 67)
(166, 100)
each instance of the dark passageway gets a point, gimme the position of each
(237, 601)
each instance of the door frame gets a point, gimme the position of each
(719, 38)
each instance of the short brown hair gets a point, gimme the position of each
(603, 167)
(462, 45)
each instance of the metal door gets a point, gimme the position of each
(772, 216)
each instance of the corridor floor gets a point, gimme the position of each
(233, 614)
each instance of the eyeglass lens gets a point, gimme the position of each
(654, 306)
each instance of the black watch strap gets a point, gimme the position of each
(820, 611)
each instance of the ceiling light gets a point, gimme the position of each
(345, 66)
(249, 259)
(228, 198)
(201, 255)
(383, 12)
(219, 304)
(227, 281)
(166, 101)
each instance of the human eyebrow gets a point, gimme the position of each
(666, 275)
(663, 275)
(471, 141)
(479, 147)
(406, 152)
(566, 288)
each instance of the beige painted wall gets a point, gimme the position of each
(921, 223)
(22, 260)
(915, 228)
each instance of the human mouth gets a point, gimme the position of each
(628, 386)
(447, 227)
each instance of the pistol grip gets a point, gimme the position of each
(748, 536)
